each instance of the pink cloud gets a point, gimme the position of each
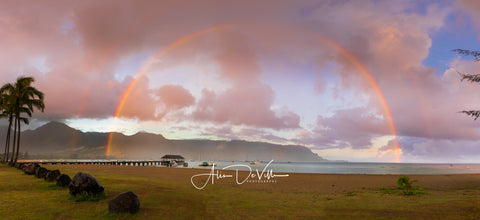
(248, 101)
(140, 103)
(350, 128)
(471, 8)
(175, 97)
(81, 45)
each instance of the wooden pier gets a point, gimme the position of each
(98, 162)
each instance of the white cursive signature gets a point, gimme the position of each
(212, 175)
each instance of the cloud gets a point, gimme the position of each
(353, 128)
(248, 101)
(173, 97)
(140, 103)
(435, 150)
(470, 8)
(74, 51)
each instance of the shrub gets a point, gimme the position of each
(405, 185)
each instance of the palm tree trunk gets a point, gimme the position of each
(5, 154)
(14, 138)
(18, 139)
(7, 143)
(5, 151)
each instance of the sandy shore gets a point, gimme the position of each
(295, 182)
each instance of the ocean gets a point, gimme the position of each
(348, 167)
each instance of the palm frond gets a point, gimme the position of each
(7, 88)
(25, 120)
(26, 110)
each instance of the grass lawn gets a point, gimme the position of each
(26, 197)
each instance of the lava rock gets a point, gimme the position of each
(18, 165)
(41, 172)
(84, 182)
(31, 168)
(126, 202)
(36, 169)
(52, 175)
(63, 180)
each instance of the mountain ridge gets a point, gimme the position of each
(58, 140)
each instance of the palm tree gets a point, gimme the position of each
(22, 98)
(7, 107)
(3, 114)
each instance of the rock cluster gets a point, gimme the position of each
(126, 202)
(31, 168)
(41, 172)
(52, 175)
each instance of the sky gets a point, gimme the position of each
(368, 81)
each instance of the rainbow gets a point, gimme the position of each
(421, 102)
(145, 67)
(347, 54)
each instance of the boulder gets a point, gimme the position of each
(84, 182)
(52, 175)
(36, 168)
(126, 202)
(41, 172)
(18, 165)
(63, 180)
(31, 168)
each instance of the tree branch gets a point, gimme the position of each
(469, 77)
(473, 53)
(472, 113)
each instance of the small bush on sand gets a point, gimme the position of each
(405, 184)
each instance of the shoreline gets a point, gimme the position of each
(295, 182)
(166, 192)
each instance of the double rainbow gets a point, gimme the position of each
(347, 54)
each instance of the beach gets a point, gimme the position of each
(295, 182)
(168, 193)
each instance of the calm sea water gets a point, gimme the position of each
(349, 168)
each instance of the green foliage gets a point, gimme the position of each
(16, 99)
(351, 193)
(54, 187)
(404, 187)
(405, 184)
(86, 196)
(389, 190)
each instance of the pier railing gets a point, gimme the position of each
(98, 162)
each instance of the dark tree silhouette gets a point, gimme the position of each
(21, 98)
(470, 77)
(7, 111)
